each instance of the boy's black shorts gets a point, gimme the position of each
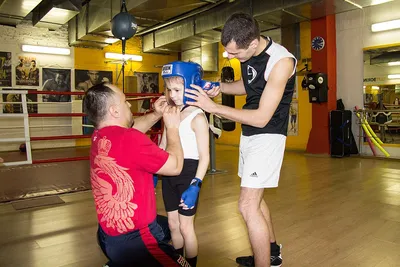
(174, 186)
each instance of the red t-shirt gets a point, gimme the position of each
(122, 163)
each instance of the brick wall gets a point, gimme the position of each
(12, 39)
(25, 33)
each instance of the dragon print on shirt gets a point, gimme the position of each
(116, 209)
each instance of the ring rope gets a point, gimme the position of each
(28, 139)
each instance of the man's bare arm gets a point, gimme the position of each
(145, 122)
(234, 88)
(174, 163)
(269, 102)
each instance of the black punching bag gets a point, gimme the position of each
(123, 27)
(228, 76)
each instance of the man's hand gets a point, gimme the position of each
(215, 91)
(145, 122)
(172, 117)
(202, 100)
(160, 105)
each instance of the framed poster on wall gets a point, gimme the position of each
(57, 80)
(5, 68)
(147, 83)
(84, 79)
(27, 72)
(17, 108)
(293, 127)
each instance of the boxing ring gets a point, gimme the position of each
(49, 171)
(27, 117)
(55, 170)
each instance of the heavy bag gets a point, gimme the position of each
(228, 76)
(228, 100)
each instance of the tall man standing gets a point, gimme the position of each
(268, 78)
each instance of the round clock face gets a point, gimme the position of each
(318, 43)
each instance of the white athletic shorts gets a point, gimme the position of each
(260, 160)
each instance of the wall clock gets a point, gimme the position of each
(318, 43)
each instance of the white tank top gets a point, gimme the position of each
(188, 137)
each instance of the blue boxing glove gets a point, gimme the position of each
(189, 197)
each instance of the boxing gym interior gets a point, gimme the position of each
(338, 199)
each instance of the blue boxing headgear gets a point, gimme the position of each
(190, 72)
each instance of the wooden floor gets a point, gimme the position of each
(326, 212)
(18, 182)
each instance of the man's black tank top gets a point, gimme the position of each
(255, 73)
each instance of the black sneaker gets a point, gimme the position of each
(276, 261)
(245, 261)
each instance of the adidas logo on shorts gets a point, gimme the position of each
(254, 174)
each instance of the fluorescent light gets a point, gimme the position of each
(378, 2)
(394, 76)
(354, 4)
(225, 54)
(125, 57)
(375, 87)
(59, 15)
(46, 50)
(29, 4)
(387, 25)
(111, 40)
(394, 63)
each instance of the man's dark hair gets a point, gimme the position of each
(95, 102)
(241, 28)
